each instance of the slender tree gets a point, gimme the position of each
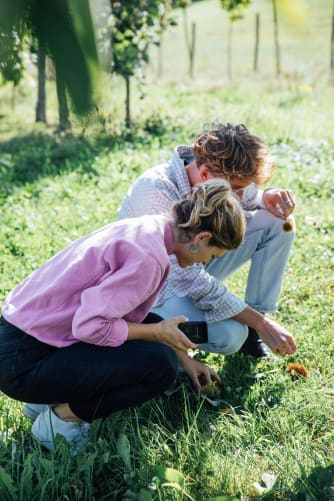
(189, 35)
(235, 10)
(277, 47)
(63, 112)
(257, 41)
(41, 83)
(160, 55)
(134, 26)
(332, 44)
(229, 48)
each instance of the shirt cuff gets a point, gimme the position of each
(227, 310)
(118, 333)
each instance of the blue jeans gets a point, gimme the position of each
(226, 336)
(267, 247)
(94, 380)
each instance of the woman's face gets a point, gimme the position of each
(197, 251)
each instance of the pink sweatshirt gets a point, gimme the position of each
(91, 288)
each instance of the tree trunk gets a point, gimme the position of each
(13, 98)
(192, 50)
(64, 122)
(127, 103)
(229, 50)
(185, 27)
(190, 42)
(160, 56)
(277, 48)
(41, 95)
(332, 44)
(257, 40)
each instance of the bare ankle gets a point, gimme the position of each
(64, 413)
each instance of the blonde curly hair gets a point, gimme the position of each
(213, 207)
(231, 151)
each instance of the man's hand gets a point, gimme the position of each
(279, 202)
(199, 374)
(279, 340)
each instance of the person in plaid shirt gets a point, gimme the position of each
(231, 152)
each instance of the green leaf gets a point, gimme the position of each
(7, 486)
(144, 495)
(222, 498)
(169, 475)
(124, 449)
(26, 483)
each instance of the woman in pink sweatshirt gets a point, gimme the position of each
(76, 336)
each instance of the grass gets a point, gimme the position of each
(304, 32)
(55, 188)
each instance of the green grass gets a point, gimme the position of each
(55, 188)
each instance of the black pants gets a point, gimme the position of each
(94, 380)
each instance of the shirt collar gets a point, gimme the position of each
(178, 171)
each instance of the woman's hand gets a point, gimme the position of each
(199, 374)
(279, 340)
(279, 202)
(169, 333)
(165, 332)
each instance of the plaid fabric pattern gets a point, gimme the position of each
(155, 192)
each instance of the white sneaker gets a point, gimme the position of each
(32, 411)
(48, 425)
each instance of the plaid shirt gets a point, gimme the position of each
(155, 192)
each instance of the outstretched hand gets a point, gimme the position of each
(199, 374)
(279, 340)
(279, 202)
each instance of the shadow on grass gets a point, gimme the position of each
(242, 378)
(240, 373)
(319, 485)
(30, 157)
(27, 158)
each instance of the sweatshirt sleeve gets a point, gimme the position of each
(100, 318)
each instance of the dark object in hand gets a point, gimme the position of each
(197, 332)
(288, 225)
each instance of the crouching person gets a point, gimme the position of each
(76, 342)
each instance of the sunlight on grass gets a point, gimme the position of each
(55, 188)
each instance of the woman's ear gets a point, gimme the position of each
(203, 236)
